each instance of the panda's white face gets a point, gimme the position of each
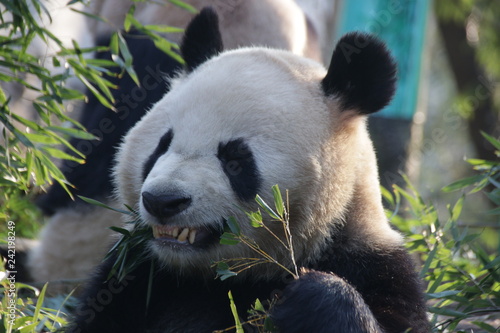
(245, 120)
(239, 124)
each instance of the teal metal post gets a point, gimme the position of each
(401, 24)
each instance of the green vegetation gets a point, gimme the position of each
(462, 277)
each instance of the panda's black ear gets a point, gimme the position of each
(202, 39)
(362, 73)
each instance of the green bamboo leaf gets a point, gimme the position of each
(113, 44)
(223, 271)
(485, 326)
(96, 93)
(255, 219)
(70, 94)
(457, 209)
(462, 183)
(73, 132)
(130, 15)
(127, 57)
(443, 294)
(184, 5)
(39, 304)
(90, 15)
(233, 225)
(150, 284)
(239, 327)
(51, 167)
(436, 283)
(446, 312)
(479, 162)
(258, 306)
(229, 239)
(41, 138)
(40, 172)
(495, 263)
(164, 28)
(278, 201)
(57, 153)
(387, 195)
(495, 211)
(122, 231)
(100, 204)
(269, 325)
(428, 261)
(492, 140)
(165, 46)
(268, 209)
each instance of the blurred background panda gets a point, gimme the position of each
(76, 235)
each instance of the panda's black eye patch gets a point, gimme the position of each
(160, 149)
(239, 165)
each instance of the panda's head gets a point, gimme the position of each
(234, 124)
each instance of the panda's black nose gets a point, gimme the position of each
(165, 205)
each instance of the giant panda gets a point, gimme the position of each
(234, 124)
(76, 234)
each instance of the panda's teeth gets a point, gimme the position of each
(183, 235)
(192, 236)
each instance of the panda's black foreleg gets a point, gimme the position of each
(109, 304)
(323, 302)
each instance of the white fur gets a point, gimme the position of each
(70, 245)
(279, 24)
(300, 140)
(73, 242)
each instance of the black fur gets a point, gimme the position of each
(332, 301)
(346, 291)
(362, 73)
(385, 279)
(239, 166)
(93, 179)
(202, 39)
(160, 149)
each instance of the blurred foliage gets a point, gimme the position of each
(29, 149)
(482, 24)
(463, 279)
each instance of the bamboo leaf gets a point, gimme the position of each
(229, 239)
(224, 271)
(73, 132)
(278, 201)
(100, 204)
(234, 311)
(233, 225)
(39, 304)
(268, 209)
(492, 140)
(462, 183)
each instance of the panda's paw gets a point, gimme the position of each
(322, 302)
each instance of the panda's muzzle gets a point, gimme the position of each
(164, 206)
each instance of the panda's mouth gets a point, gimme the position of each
(199, 237)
